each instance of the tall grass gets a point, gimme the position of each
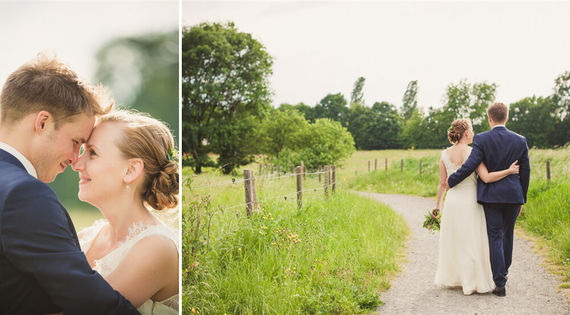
(332, 256)
(546, 215)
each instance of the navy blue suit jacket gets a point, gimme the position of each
(42, 268)
(498, 148)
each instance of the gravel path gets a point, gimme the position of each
(530, 289)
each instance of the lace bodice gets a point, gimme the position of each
(451, 168)
(106, 265)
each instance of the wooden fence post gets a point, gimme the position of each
(402, 165)
(386, 164)
(254, 192)
(548, 170)
(299, 188)
(278, 171)
(368, 166)
(248, 192)
(375, 164)
(327, 181)
(333, 178)
(420, 167)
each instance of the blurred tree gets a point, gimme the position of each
(225, 93)
(384, 127)
(142, 73)
(561, 98)
(332, 106)
(357, 96)
(536, 119)
(359, 117)
(410, 100)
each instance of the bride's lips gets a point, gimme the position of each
(83, 180)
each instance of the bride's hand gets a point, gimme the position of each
(514, 169)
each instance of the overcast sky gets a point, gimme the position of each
(75, 30)
(323, 47)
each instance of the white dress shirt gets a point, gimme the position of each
(27, 164)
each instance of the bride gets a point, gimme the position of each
(127, 166)
(463, 243)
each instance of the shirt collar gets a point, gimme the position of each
(27, 164)
(499, 126)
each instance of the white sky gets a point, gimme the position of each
(322, 47)
(75, 30)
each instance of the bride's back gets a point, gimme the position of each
(454, 156)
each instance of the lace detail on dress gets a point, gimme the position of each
(451, 167)
(106, 265)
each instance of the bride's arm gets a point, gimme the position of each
(150, 269)
(496, 176)
(442, 186)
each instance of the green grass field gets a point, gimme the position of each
(334, 255)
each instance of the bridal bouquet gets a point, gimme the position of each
(432, 223)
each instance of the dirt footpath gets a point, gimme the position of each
(530, 289)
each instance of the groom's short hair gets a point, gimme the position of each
(498, 112)
(46, 83)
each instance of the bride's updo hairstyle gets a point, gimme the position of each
(150, 140)
(457, 129)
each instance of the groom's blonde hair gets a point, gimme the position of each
(46, 83)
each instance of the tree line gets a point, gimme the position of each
(227, 110)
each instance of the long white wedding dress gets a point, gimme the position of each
(106, 265)
(463, 241)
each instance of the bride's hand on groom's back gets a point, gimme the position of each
(514, 169)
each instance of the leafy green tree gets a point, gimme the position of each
(534, 117)
(414, 133)
(281, 129)
(332, 106)
(410, 100)
(307, 111)
(225, 93)
(358, 121)
(384, 127)
(470, 101)
(561, 98)
(324, 142)
(357, 96)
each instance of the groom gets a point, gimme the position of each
(502, 200)
(46, 113)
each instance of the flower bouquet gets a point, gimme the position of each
(432, 220)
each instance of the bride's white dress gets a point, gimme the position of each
(463, 242)
(106, 265)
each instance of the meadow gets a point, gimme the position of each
(334, 255)
(546, 216)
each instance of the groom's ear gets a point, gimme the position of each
(134, 171)
(41, 122)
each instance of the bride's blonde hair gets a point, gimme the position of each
(149, 139)
(457, 129)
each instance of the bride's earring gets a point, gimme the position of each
(128, 187)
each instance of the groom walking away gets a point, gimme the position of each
(502, 200)
(46, 113)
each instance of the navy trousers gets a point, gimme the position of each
(501, 220)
